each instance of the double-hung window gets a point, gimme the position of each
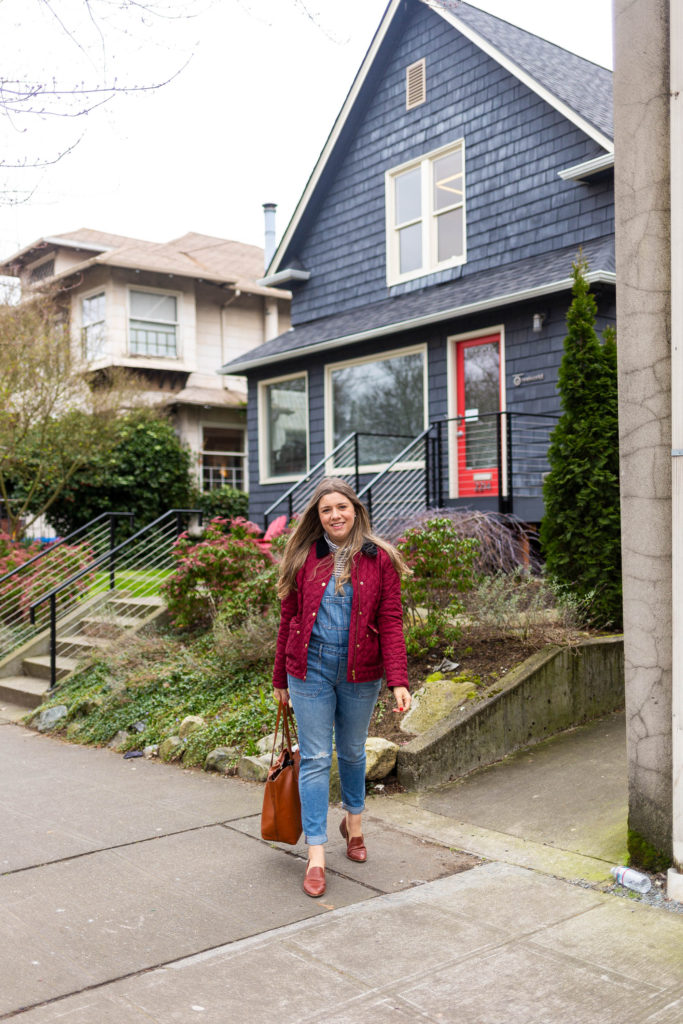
(153, 324)
(93, 333)
(425, 214)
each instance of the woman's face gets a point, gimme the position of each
(336, 515)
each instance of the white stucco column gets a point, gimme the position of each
(643, 253)
(675, 877)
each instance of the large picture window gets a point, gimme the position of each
(153, 324)
(425, 213)
(93, 325)
(381, 398)
(285, 427)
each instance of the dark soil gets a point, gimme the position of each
(484, 661)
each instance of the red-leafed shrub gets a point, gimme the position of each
(230, 569)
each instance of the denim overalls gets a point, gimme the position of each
(323, 700)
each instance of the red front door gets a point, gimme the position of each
(479, 400)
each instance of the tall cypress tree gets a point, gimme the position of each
(580, 531)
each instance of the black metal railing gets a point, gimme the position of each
(144, 560)
(357, 450)
(98, 535)
(493, 460)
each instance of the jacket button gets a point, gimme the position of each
(361, 582)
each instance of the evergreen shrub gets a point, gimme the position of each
(580, 531)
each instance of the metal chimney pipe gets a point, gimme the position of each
(269, 246)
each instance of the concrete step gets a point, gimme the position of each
(10, 712)
(108, 626)
(79, 645)
(26, 691)
(140, 606)
(39, 666)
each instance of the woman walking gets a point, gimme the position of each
(341, 631)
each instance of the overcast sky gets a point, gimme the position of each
(242, 124)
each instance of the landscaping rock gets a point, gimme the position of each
(380, 757)
(151, 751)
(254, 769)
(48, 719)
(171, 749)
(218, 760)
(117, 741)
(435, 699)
(265, 744)
(72, 730)
(189, 725)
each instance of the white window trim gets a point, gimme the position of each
(329, 419)
(90, 294)
(263, 454)
(429, 240)
(452, 391)
(178, 296)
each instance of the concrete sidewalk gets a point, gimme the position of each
(135, 892)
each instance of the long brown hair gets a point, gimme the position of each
(309, 529)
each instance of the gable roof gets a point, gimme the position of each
(579, 89)
(530, 278)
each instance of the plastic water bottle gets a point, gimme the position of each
(631, 879)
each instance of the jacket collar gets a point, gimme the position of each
(322, 550)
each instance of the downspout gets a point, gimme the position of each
(675, 875)
(225, 305)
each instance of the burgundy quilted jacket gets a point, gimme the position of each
(376, 643)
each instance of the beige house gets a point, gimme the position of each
(174, 312)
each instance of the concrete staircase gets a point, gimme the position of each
(25, 674)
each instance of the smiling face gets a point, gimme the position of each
(337, 516)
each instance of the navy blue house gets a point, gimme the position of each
(429, 260)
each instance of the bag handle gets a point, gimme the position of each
(287, 723)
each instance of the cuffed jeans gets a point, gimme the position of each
(322, 701)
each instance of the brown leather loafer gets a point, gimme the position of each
(314, 882)
(355, 846)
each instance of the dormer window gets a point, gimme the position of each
(416, 84)
(425, 214)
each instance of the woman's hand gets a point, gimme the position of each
(402, 698)
(282, 695)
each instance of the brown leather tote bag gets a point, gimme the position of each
(281, 814)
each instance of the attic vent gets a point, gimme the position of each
(43, 270)
(416, 84)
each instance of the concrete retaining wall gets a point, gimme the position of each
(555, 689)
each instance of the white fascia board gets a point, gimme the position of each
(335, 133)
(580, 171)
(524, 76)
(594, 277)
(72, 243)
(273, 280)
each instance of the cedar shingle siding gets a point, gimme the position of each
(524, 224)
